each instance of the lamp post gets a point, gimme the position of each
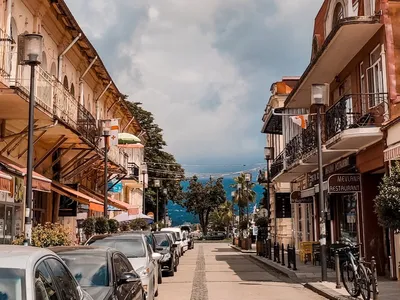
(157, 186)
(106, 135)
(240, 194)
(319, 98)
(31, 45)
(233, 215)
(268, 155)
(165, 192)
(247, 178)
(144, 172)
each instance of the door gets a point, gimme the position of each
(61, 276)
(127, 290)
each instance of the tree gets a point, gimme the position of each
(203, 199)
(222, 217)
(245, 195)
(161, 164)
(387, 202)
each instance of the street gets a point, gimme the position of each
(214, 271)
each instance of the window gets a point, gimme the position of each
(44, 285)
(43, 65)
(338, 14)
(120, 266)
(12, 283)
(72, 91)
(372, 5)
(66, 85)
(363, 90)
(66, 282)
(375, 78)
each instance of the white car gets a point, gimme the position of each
(182, 244)
(30, 273)
(139, 253)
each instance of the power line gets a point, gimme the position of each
(206, 165)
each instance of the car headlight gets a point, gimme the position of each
(166, 257)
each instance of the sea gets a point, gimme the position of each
(179, 215)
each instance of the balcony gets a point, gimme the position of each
(87, 125)
(118, 157)
(277, 165)
(350, 125)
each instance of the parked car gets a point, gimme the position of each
(167, 248)
(105, 273)
(140, 255)
(171, 235)
(30, 273)
(190, 236)
(178, 232)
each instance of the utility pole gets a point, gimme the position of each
(157, 186)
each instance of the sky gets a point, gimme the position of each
(203, 68)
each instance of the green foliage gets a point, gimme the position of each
(161, 164)
(124, 226)
(203, 199)
(262, 222)
(138, 224)
(101, 225)
(48, 235)
(243, 224)
(221, 218)
(89, 226)
(387, 202)
(113, 226)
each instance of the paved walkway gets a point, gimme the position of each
(217, 272)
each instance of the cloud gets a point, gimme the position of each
(203, 68)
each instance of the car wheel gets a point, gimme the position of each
(156, 294)
(176, 268)
(159, 276)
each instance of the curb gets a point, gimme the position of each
(327, 293)
(276, 268)
(241, 250)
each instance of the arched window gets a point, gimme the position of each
(338, 14)
(66, 85)
(53, 70)
(88, 104)
(43, 65)
(72, 91)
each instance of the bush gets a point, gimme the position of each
(89, 226)
(262, 222)
(48, 235)
(243, 225)
(101, 225)
(124, 226)
(138, 224)
(113, 226)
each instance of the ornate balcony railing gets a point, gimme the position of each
(277, 165)
(118, 156)
(133, 171)
(356, 111)
(293, 150)
(65, 105)
(87, 125)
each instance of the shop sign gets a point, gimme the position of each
(344, 183)
(295, 198)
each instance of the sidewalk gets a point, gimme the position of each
(310, 276)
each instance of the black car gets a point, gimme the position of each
(105, 273)
(167, 248)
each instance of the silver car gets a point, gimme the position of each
(139, 253)
(29, 273)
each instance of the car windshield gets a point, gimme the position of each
(162, 240)
(132, 248)
(89, 269)
(12, 284)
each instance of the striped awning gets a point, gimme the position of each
(392, 153)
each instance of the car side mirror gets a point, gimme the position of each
(174, 245)
(128, 277)
(156, 256)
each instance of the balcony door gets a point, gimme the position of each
(376, 86)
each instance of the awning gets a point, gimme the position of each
(116, 203)
(39, 182)
(342, 44)
(273, 123)
(77, 196)
(392, 153)
(5, 183)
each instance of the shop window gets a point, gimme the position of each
(299, 223)
(348, 217)
(338, 14)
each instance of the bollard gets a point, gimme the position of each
(294, 258)
(337, 269)
(274, 252)
(391, 267)
(277, 254)
(288, 257)
(374, 279)
(283, 255)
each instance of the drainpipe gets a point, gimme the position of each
(390, 53)
(8, 35)
(97, 100)
(81, 80)
(60, 58)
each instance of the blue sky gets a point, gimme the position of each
(204, 68)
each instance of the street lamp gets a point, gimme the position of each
(247, 178)
(31, 47)
(144, 172)
(106, 135)
(268, 155)
(319, 98)
(165, 192)
(157, 186)
(233, 194)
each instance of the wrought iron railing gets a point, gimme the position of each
(277, 165)
(356, 111)
(133, 171)
(87, 125)
(293, 150)
(7, 52)
(65, 105)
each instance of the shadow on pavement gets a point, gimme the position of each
(223, 250)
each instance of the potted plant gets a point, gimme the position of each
(113, 226)
(89, 227)
(101, 225)
(48, 235)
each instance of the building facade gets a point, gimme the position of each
(74, 96)
(353, 51)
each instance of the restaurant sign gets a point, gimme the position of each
(295, 198)
(344, 183)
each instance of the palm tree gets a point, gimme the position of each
(222, 216)
(245, 195)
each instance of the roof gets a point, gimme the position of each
(21, 257)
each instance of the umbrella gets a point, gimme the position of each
(127, 138)
(125, 217)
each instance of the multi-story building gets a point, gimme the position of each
(74, 93)
(353, 50)
(281, 228)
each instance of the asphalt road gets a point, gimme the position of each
(216, 272)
